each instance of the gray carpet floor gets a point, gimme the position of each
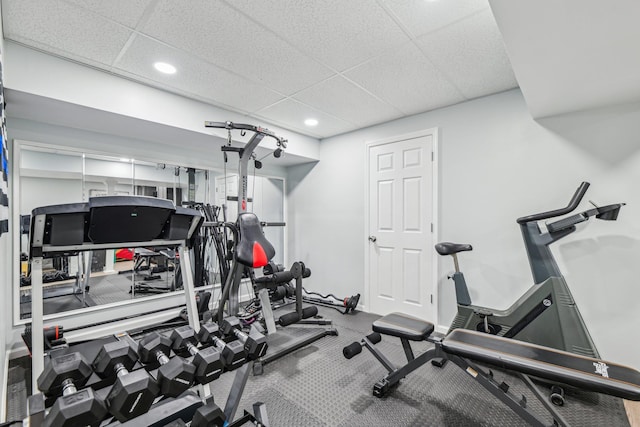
(317, 386)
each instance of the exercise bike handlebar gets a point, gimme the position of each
(243, 126)
(573, 204)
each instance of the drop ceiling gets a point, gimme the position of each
(348, 64)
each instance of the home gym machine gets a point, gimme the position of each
(251, 250)
(231, 288)
(465, 347)
(547, 313)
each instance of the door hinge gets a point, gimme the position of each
(431, 298)
(432, 227)
(432, 156)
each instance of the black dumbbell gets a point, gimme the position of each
(255, 344)
(232, 353)
(61, 377)
(207, 361)
(209, 415)
(175, 376)
(132, 393)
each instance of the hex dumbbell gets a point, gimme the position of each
(61, 377)
(132, 393)
(255, 344)
(209, 415)
(175, 376)
(207, 361)
(232, 353)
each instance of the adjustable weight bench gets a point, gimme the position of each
(464, 347)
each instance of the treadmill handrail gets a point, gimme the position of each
(573, 204)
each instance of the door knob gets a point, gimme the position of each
(372, 239)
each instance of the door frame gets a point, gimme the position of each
(433, 132)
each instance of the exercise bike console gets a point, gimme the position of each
(607, 213)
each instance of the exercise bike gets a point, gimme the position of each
(546, 314)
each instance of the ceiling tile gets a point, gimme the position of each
(413, 87)
(338, 33)
(397, 57)
(421, 16)
(472, 55)
(225, 37)
(349, 102)
(125, 12)
(194, 78)
(292, 114)
(63, 29)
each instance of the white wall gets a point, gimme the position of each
(5, 272)
(47, 77)
(496, 164)
(36, 192)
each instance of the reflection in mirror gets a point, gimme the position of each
(57, 176)
(47, 177)
(107, 176)
(53, 177)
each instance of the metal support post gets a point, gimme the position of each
(237, 388)
(189, 290)
(267, 312)
(37, 323)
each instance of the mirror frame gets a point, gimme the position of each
(117, 310)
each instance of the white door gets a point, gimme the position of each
(400, 239)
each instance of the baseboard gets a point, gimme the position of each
(442, 329)
(3, 389)
(633, 412)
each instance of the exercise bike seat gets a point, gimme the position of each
(253, 249)
(403, 326)
(448, 248)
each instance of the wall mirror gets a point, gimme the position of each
(47, 175)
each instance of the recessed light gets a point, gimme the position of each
(163, 67)
(311, 122)
(124, 159)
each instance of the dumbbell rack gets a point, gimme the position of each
(109, 222)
